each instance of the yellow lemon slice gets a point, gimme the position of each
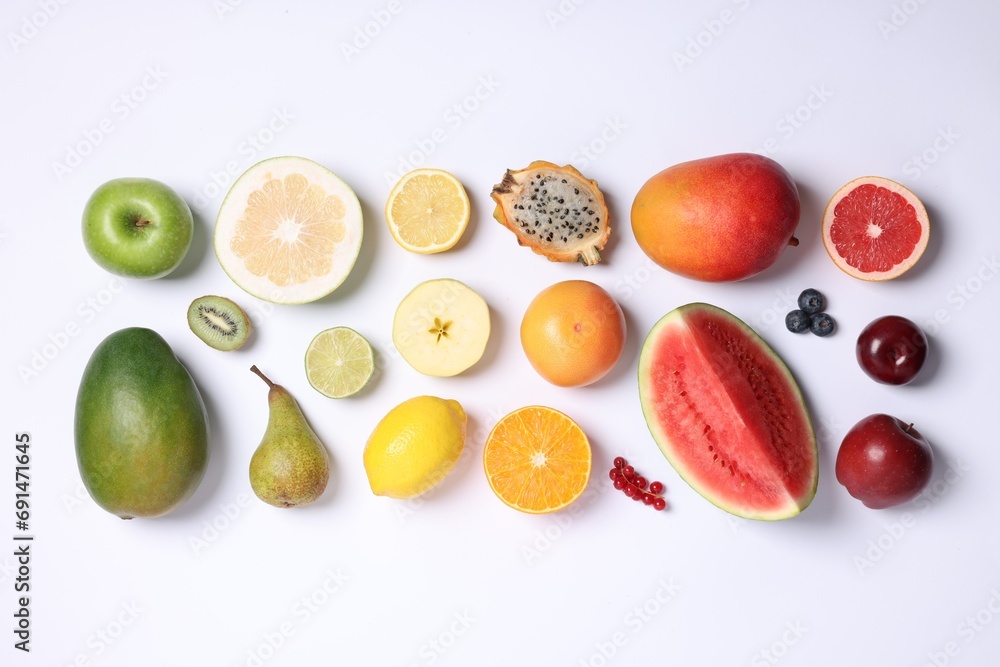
(427, 211)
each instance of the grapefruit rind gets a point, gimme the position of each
(744, 436)
(892, 186)
(316, 267)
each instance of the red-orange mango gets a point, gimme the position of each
(717, 219)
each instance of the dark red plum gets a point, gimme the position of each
(892, 350)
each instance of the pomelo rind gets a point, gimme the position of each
(234, 204)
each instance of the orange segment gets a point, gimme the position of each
(537, 460)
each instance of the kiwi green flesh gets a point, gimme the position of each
(219, 322)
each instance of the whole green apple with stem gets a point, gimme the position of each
(137, 227)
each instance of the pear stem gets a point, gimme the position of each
(263, 377)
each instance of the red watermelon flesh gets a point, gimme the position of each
(727, 414)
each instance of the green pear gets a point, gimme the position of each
(291, 466)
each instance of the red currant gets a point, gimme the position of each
(627, 480)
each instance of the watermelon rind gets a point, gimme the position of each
(663, 439)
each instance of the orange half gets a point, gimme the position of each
(537, 460)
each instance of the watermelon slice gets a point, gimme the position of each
(727, 414)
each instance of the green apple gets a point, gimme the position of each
(137, 227)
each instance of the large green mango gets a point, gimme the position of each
(141, 427)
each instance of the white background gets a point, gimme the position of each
(886, 82)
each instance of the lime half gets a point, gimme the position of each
(339, 362)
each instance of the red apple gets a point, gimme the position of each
(884, 462)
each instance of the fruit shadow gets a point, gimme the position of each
(369, 387)
(218, 459)
(619, 219)
(200, 238)
(823, 508)
(493, 344)
(329, 495)
(807, 232)
(629, 361)
(251, 341)
(471, 457)
(601, 461)
(363, 264)
(475, 210)
(601, 458)
(934, 243)
(947, 471)
(932, 363)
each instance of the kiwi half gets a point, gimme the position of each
(219, 322)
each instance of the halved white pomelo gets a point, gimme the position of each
(289, 231)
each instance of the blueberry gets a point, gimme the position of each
(811, 301)
(821, 324)
(797, 321)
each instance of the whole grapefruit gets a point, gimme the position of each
(573, 333)
(717, 219)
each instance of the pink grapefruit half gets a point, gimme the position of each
(875, 228)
